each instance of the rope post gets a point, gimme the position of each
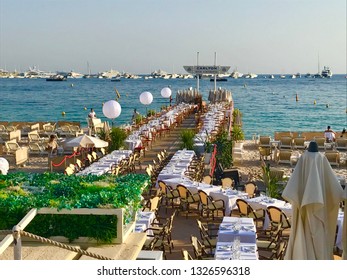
(17, 249)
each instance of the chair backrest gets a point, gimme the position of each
(227, 182)
(186, 256)
(264, 141)
(95, 156)
(333, 157)
(204, 198)
(69, 170)
(286, 142)
(163, 186)
(250, 189)
(243, 207)
(207, 179)
(11, 146)
(299, 142)
(34, 136)
(320, 141)
(197, 247)
(341, 143)
(182, 190)
(277, 216)
(79, 163)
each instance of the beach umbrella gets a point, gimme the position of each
(315, 193)
(86, 141)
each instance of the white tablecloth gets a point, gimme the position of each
(248, 251)
(227, 232)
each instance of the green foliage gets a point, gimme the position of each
(224, 149)
(138, 119)
(150, 113)
(25, 191)
(271, 183)
(237, 133)
(187, 139)
(117, 137)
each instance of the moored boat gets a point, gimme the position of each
(56, 78)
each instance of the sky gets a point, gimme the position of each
(141, 36)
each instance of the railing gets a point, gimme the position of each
(15, 236)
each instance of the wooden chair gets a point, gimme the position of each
(246, 210)
(199, 249)
(209, 205)
(188, 202)
(277, 218)
(186, 256)
(227, 183)
(208, 240)
(251, 189)
(170, 195)
(207, 179)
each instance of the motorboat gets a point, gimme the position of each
(56, 78)
(115, 79)
(326, 72)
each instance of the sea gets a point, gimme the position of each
(267, 105)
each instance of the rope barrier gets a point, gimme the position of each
(57, 244)
(64, 159)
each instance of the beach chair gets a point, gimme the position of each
(299, 143)
(333, 157)
(11, 147)
(286, 142)
(284, 156)
(264, 141)
(320, 142)
(341, 143)
(37, 149)
(34, 137)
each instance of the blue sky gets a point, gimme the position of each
(140, 36)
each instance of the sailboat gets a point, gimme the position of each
(89, 75)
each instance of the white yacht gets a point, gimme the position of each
(326, 72)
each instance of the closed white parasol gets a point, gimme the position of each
(86, 141)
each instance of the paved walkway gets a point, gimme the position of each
(183, 227)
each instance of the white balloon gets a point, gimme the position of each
(111, 109)
(166, 92)
(4, 166)
(146, 98)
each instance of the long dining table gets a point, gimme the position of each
(240, 230)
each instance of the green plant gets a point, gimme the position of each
(237, 117)
(224, 149)
(138, 119)
(150, 113)
(271, 183)
(117, 137)
(187, 139)
(25, 191)
(237, 133)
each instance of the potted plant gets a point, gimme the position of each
(187, 139)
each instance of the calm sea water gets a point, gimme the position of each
(268, 105)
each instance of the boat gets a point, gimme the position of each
(219, 80)
(56, 78)
(326, 72)
(115, 79)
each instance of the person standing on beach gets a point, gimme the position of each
(52, 145)
(91, 114)
(135, 114)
